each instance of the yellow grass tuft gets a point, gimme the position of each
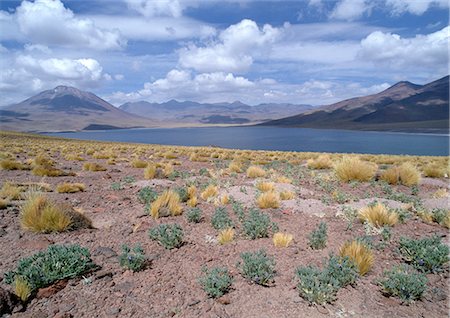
(38, 214)
(168, 169)
(283, 179)
(321, 162)
(10, 191)
(360, 254)
(92, 166)
(269, 200)
(225, 236)
(8, 164)
(255, 172)
(224, 199)
(235, 167)
(378, 216)
(287, 195)
(352, 168)
(390, 175)
(136, 163)
(168, 203)
(67, 187)
(282, 239)
(440, 193)
(408, 174)
(192, 191)
(73, 157)
(434, 170)
(43, 160)
(211, 191)
(265, 186)
(426, 216)
(150, 171)
(192, 202)
(47, 171)
(21, 288)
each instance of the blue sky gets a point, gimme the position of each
(314, 52)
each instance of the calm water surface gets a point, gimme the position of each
(274, 138)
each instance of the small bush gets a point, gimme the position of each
(378, 216)
(44, 171)
(211, 191)
(287, 195)
(168, 203)
(255, 172)
(136, 163)
(194, 215)
(221, 220)
(404, 283)
(282, 239)
(133, 259)
(360, 254)
(257, 267)
(147, 195)
(8, 164)
(265, 186)
(321, 286)
(257, 225)
(92, 166)
(10, 191)
(182, 193)
(321, 162)
(168, 235)
(441, 216)
(150, 171)
(216, 281)
(427, 255)
(225, 236)
(318, 237)
(70, 187)
(434, 171)
(21, 288)
(408, 174)
(352, 168)
(268, 200)
(391, 176)
(46, 267)
(235, 167)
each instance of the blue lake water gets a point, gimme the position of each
(274, 138)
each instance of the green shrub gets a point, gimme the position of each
(194, 215)
(216, 281)
(147, 195)
(168, 235)
(134, 260)
(318, 237)
(257, 267)
(116, 186)
(439, 215)
(182, 193)
(258, 224)
(427, 255)
(238, 209)
(404, 283)
(221, 220)
(321, 286)
(56, 263)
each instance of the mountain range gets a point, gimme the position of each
(402, 107)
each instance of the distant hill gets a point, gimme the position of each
(67, 109)
(219, 113)
(402, 107)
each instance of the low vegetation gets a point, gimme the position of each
(377, 215)
(360, 254)
(216, 281)
(170, 236)
(133, 259)
(354, 169)
(318, 237)
(257, 267)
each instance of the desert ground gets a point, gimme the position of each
(250, 194)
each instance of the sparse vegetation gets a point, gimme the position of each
(377, 215)
(360, 254)
(168, 203)
(221, 219)
(226, 236)
(257, 267)
(92, 166)
(168, 235)
(255, 172)
(321, 162)
(194, 215)
(70, 187)
(216, 281)
(133, 259)
(258, 225)
(210, 192)
(318, 237)
(282, 239)
(269, 200)
(352, 168)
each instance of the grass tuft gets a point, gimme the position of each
(168, 203)
(378, 216)
(255, 172)
(70, 187)
(321, 162)
(360, 254)
(352, 168)
(211, 191)
(226, 236)
(265, 186)
(282, 239)
(269, 200)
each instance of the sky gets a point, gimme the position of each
(303, 52)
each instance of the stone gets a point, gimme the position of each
(51, 290)
(224, 300)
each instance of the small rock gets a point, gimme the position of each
(51, 290)
(224, 300)
(104, 251)
(114, 311)
(63, 315)
(102, 274)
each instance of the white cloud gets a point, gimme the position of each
(234, 49)
(151, 8)
(48, 22)
(423, 51)
(350, 9)
(417, 7)
(38, 48)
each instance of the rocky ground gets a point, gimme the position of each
(169, 286)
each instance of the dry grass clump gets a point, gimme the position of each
(235, 166)
(282, 239)
(9, 164)
(255, 172)
(167, 169)
(101, 155)
(360, 254)
(287, 195)
(408, 174)
(10, 191)
(211, 191)
(283, 179)
(352, 168)
(321, 162)
(21, 288)
(269, 200)
(194, 157)
(168, 203)
(391, 175)
(39, 214)
(265, 186)
(434, 170)
(225, 236)
(67, 187)
(137, 163)
(45, 171)
(92, 166)
(378, 216)
(440, 193)
(192, 194)
(43, 160)
(224, 199)
(73, 157)
(150, 171)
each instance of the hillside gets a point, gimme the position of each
(66, 109)
(402, 107)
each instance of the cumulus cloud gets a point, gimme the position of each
(48, 22)
(417, 7)
(350, 9)
(151, 8)
(234, 49)
(422, 51)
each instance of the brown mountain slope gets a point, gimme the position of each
(66, 109)
(402, 107)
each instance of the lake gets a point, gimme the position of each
(275, 138)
